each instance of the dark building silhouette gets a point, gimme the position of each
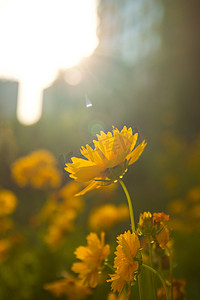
(8, 99)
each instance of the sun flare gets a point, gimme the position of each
(37, 39)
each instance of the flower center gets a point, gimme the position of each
(117, 172)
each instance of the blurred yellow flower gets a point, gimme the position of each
(194, 194)
(92, 257)
(59, 214)
(61, 200)
(108, 162)
(38, 169)
(195, 211)
(178, 290)
(5, 246)
(69, 287)
(67, 196)
(112, 296)
(107, 215)
(186, 211)
(69, 190)
(8, 202)
(5, 225)
(125, 261)
(61, 224)
(177, 207)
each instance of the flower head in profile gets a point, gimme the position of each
(92, 257)
(145, 224)
(154, 226)
(125, 263)
(161, 231)
(70, 287)
(108, 161)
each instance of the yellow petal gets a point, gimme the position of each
(85, 174)
(77, 163)
(87, 152)
(93, 185)
(135, 137)
(105, 143)
(118, 283)
(81, 252)
(135, 154)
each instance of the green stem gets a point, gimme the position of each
(109, 266)
(150, 252)
(140, 288)
(151, 264)
(133, 230)
(129, 204)
(171, 271)
(129, 291)
(160, 277)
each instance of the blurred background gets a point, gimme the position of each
(68, 71)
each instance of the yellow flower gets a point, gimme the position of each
(159, 220)
(69, 287)
(92, 257)
(125, 261)
(107, 216)
(160, 217)
(154, 227)
(108, 162)
(145, 224)
(70, 189)
(8, 202)
(163, 237)
(37, 169)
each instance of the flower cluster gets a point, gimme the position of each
(154, 226)
(105, 164)
(38, 169)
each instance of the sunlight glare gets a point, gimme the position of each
(38, 38)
